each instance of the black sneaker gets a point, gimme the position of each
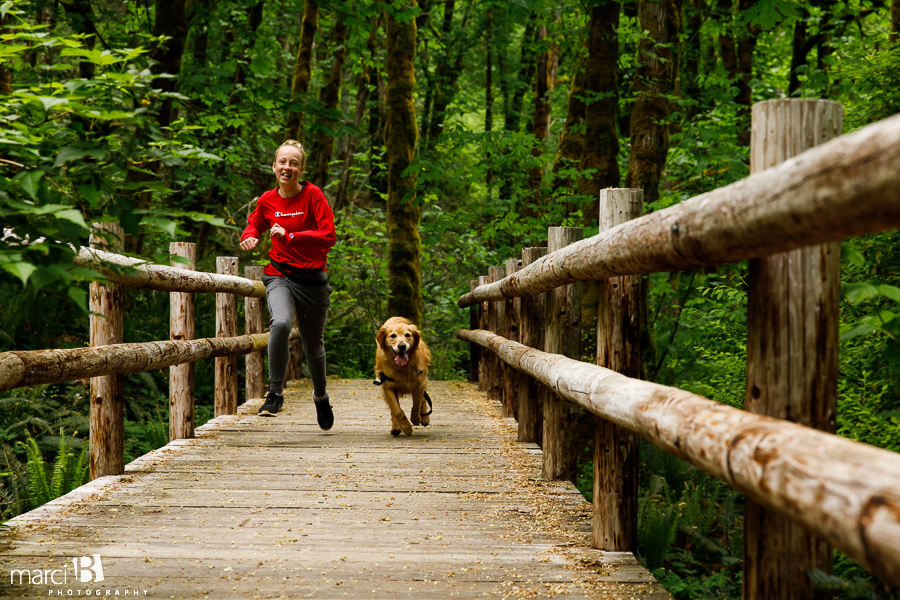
(272, 405)
(324, 414)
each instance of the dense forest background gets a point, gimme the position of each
(447, 136)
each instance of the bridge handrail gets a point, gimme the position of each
(846, 187)
(19, 368)
(845, 491)
(164, 278)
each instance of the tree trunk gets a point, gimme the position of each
(895, 22)
(323, 145)
(81, 18)
(5, 73)
(727, 48)
(254, 20)
(171, 22)
(377, 121)
(527, 66)
(571, 141)
(362, 96)
(303, 67)
(649, 127)
(488, 89)
(798, 52)
(401, 132)
(746, 48)
(601, 146)
(539, 126)
(449, 66)
(690, 66)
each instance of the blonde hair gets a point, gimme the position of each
(296, 145)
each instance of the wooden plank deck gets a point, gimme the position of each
(277, 508)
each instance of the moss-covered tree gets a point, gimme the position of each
(401, 133)
(649, 128)
(540, 125)
(601, 87)
(323, 142)
(303, 66)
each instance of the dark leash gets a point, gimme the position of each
(382, 378)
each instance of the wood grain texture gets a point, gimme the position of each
(295, 346)
(34, 367)
(618, 348)
(226, 390)
(107, 421)
(181, 327)
(531, 411)
(254, 322)
(277, 507)
(483, 364)
(793, 318)
(846, 187)
(846, 492)
(510, 377)
(562, 335)
(474, 349)
(496, 320)
(162, 278)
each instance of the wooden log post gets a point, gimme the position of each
(474, 349)
(226, 326)
(618, 348)
(107, 306)
(485, 356)
(495, 324)
(562, 335)
(254, 323)
(531, 331)
(511, 378)
(181, 327)
(295, 362)
(792, 350)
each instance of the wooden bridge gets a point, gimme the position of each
(277, 508)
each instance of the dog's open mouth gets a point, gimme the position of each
(401, 357)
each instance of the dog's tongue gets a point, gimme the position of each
(401, 360)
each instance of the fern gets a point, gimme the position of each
(58, 484)
(14, 487)
(38, 486)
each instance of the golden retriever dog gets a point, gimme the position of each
(401, 367)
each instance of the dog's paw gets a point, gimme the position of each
(406, 427)
(416, 420)
(395, 432)
(426, 420)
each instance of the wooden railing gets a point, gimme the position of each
(802, 483)
(108, 358)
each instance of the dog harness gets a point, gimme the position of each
(382, 378)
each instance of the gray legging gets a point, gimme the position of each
(312, 303)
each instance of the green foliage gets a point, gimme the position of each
(47, 483)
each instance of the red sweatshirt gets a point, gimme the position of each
(308, 222)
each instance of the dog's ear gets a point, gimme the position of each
(381, 338)
(416, 339)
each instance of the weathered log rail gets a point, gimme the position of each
(843, 188)
(35, 367)
(804, 485)
(847, 492)
(108, 358)
(139, 274)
